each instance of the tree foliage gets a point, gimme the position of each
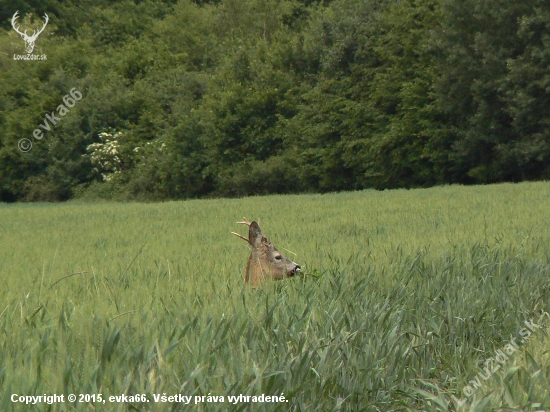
(244, 97)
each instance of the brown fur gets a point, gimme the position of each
(265, 261)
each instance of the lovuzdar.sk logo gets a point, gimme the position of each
(30, 40)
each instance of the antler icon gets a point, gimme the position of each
(29, 40)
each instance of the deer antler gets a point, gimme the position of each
(29, 40)
(241, 236)
(15, 17)
(245, 222)
(34, 33)
(43, 27)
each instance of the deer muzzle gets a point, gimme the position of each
(293, 271)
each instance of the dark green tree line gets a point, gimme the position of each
(187, 99)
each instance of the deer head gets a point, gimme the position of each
(265, 261)
(29, 40)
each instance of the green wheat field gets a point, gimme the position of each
(403, 297)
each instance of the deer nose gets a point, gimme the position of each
(297, 268)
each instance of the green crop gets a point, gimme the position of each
(403, 294)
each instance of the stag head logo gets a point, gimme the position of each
(265, 261)
(29, 40)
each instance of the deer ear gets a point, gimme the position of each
(256, 238)
(254, 233)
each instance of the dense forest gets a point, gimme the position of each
(186, 99)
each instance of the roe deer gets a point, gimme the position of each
(265, 261)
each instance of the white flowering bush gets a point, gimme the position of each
(121, 160)
(105, 156)
(150, 151)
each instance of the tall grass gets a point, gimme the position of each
(404, 293)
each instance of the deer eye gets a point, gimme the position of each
(278, 257)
